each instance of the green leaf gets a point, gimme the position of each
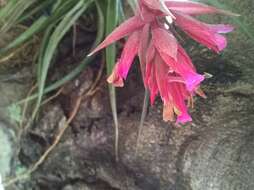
(142, 119)
(63, 27)
(75, 72)
(33, 29)
(10, 14)
(121, 13)
(133, 4)
(59, 10)
(37, 9)
(111, 22)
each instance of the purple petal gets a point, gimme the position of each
(183, 118)
(221, 28)
(193, 81)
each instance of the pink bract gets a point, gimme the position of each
(166, 68)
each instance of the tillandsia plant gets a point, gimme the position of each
(166, 68)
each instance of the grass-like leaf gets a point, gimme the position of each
(111, 22)
(39, 8)
(59, 32)
(133, 4)
(28, 34)
(57, 12)
(75, 72)
(142, 119)
(12, 12)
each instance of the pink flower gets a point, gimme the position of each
(166, 68)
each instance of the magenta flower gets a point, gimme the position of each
(166, 68)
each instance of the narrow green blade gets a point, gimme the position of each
(111, 22)
(59, 32)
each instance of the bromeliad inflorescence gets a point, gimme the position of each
(166, 68)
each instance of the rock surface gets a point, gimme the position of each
(6, 149)
(215, 152)
(13, 87)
